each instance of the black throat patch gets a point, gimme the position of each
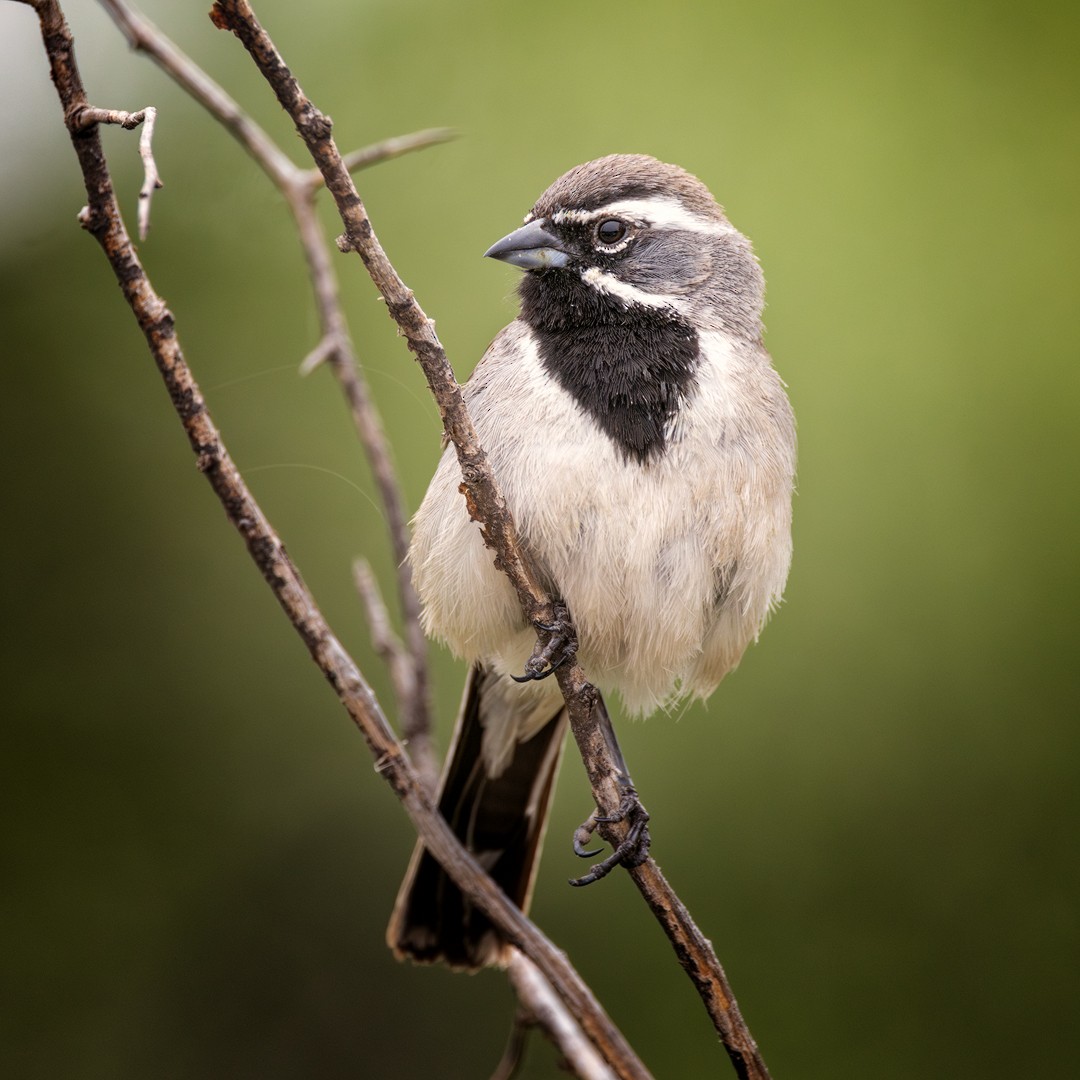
(629, 366)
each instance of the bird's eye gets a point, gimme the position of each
(610, 231)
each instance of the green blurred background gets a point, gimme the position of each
(874, 819)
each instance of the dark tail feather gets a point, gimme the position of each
(500, 819)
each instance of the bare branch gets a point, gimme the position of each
(534, 991)
(144, 36)
(152, 181)
(103, 220)
(335, 345)
(394, 147)
(394, 654)
(322, 352)
(485, 503)
(387, 643)
(698, 958)
(514, 1052)
(87, 116)
(487, 507)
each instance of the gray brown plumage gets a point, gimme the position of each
(645, 446)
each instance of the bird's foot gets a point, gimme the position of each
(633, 849)
(561, 646)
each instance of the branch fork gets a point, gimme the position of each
(83, 116)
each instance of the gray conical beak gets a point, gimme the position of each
(531, 247)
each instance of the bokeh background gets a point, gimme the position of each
(874, 819)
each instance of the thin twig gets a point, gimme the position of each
(514, 1052)
(143, 36)
(386, 643)
(103, 220)
(560, 1026)
(322, 352)
(487, 507)
(152, 181)
(394, 147)
(89, 115)
(86, 117)
(335, 345)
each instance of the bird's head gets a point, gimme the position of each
(629, 232)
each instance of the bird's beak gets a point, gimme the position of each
(531, 247)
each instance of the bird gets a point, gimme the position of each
(645, 447)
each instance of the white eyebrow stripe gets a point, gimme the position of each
(660, 211)
(629, 294)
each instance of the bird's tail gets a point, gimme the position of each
(500, 819)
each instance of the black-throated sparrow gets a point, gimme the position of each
(646, 448)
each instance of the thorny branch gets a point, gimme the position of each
(102, 219)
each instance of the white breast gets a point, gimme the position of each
(669, 569)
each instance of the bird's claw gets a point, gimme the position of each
(583, 834)
(632, 851)
(539, 667)
(561, 646)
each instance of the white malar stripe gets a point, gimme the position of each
(659, 212)
(629, 294)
